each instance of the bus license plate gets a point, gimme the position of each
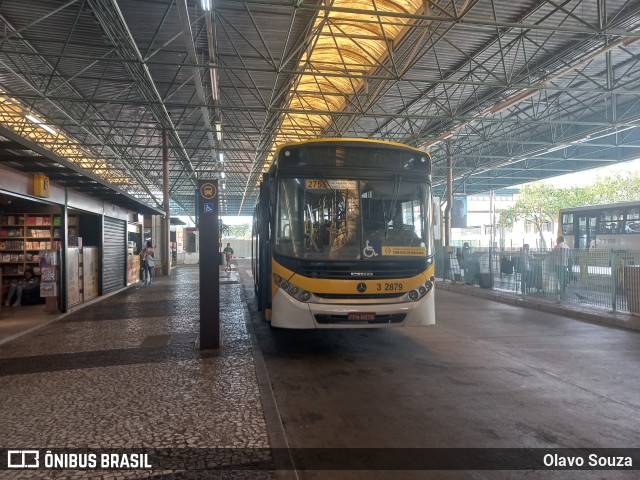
(361, 316)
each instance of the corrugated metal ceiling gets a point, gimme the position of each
(519, 90)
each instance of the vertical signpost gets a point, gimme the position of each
(209, 270)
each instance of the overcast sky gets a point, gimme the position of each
(580, 179)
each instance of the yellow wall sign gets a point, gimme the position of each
(41, 185)
(403, 251)
(208, 190)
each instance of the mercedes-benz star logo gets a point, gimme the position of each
(362, 287)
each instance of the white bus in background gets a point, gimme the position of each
(614, 226)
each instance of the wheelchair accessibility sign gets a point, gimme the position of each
(208, 208)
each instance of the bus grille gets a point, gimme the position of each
(333, 319)
(344, 272)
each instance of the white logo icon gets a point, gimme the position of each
(23, 458)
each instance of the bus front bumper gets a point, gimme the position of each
(287, 312)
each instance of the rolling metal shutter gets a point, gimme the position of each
(114, 255)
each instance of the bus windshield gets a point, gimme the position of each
(349, 219)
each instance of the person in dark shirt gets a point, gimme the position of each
(27, 283)
(147, 256)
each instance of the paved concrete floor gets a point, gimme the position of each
(16, 321)
(487, 375)
(125, 372)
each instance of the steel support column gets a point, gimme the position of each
(166, 232)
(447, 210)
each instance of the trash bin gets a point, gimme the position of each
(485, 280)
(506, 265)
(632, 288)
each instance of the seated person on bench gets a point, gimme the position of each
(26, 291)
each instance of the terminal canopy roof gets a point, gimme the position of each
(512, 91)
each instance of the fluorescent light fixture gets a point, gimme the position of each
(219, 131)
(49, 129)
(206, 5)
(40, 123)
(221, 156)
(223, 175)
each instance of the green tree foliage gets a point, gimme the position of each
(223, 228)
(540, 203)
(240, 231)
(619, 187)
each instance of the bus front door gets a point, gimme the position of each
(586, 231)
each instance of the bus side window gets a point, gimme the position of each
(567, 224)
(633, 221)
(606, 227)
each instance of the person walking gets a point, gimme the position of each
(147, 256)
(228, 255)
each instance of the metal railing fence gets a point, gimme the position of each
(609, 279)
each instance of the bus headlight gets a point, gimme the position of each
(305, 296)
(295, 291)
(422, 290)
(429, 284)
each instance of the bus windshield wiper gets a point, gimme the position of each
(388, 214)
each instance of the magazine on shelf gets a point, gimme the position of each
(48, 289)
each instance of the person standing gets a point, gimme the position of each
(526, 268)
(147, 256)
(561, 255)
(461, 254)
(526, 258)
(228, 255)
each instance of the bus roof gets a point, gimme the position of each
(604, 206)
(351, 140)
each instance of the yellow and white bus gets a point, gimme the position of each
(342, 236)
